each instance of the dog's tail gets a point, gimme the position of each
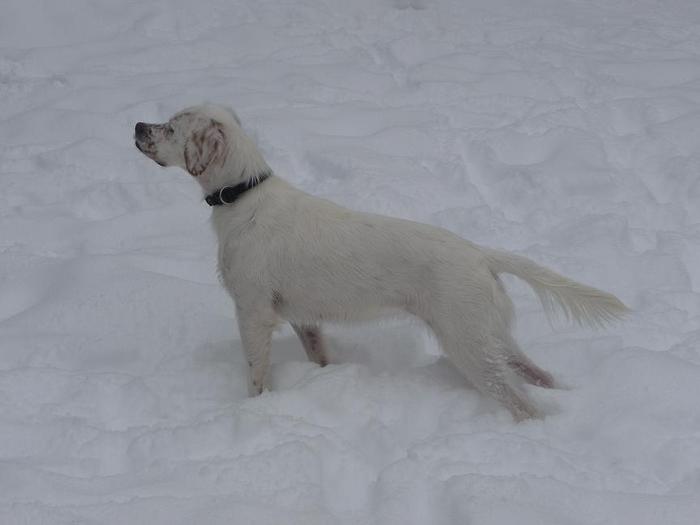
(579, 302)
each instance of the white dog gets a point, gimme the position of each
(286, 255)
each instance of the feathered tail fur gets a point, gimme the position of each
(579, 302)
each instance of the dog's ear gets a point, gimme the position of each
(205, 148)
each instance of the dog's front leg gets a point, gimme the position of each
(256, 334)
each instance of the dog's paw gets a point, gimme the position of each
(255, 387)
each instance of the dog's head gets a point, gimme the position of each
(194, 139)
(207, 141)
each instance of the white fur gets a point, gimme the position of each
(287, 255)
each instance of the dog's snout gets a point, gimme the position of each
(140, 129)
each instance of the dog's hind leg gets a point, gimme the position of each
(492, 376)
(526, 369)
(483, 360)
(312, 340)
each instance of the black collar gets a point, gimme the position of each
(229, 194)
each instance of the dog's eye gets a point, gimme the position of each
(169, 130)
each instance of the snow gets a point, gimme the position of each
(566, 131)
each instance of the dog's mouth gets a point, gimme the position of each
(148, 152)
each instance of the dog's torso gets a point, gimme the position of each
(313, 260)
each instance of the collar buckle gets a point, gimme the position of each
(221, 196)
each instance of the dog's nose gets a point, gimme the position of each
(140, 129)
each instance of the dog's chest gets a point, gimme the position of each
(242, 253)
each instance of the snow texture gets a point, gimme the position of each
(565, 131)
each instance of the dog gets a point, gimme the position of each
(285, 255)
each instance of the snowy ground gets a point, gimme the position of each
(567, 131)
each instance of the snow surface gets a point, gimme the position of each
(567, 131)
